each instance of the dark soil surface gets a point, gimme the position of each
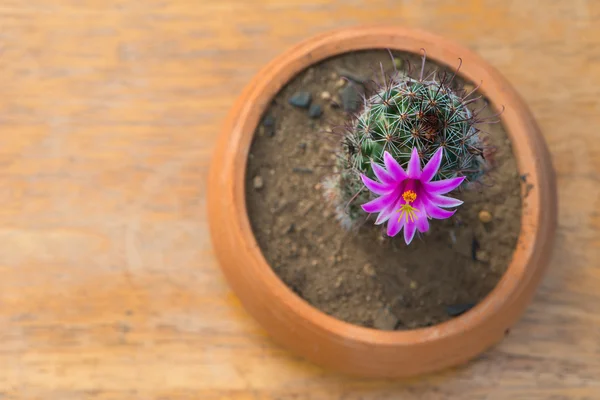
(364, 277)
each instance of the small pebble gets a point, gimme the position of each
(302, 146)
(485, 216)
(300, 99)
(340, 83)
(482, 255)
(385, 321)
(369, 270)
(468, 88)
(338, 282)
(314, 263)
(458, 309)
(315, 111)
(325, 95)
(318, 186)
(258, 182)
(272, 172)
(413, 285)
(333, 76)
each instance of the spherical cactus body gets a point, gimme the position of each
(426, 113)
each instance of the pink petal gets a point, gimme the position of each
(385, 214)
(444, 186)
(383, 217)
(422, 223)
(445, 201)
(435, 212)
(395, 225)
(380, 203)
(376, 187)
(421, 220)
(414, 165)
(394, 169)
(410, 228)
(432, 166)
(382, 174)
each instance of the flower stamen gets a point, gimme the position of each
(407, 211)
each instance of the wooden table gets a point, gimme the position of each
(109, 111)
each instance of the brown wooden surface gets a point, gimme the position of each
(108, 115)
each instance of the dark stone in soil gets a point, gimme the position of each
(315, 111)
(300, 170)
(268, 121)
(524, 177)
(268, 124)
(291, 228)
(458, 309)
(351, 97)
(300, 99)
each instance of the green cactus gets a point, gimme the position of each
(426, 113)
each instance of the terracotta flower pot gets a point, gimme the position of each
(330, 342)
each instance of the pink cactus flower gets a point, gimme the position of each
(408, 199)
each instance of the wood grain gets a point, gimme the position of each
(108, 115)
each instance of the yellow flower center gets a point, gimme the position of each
(406, 210)
(409, 196)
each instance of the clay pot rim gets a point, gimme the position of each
(252, 104)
